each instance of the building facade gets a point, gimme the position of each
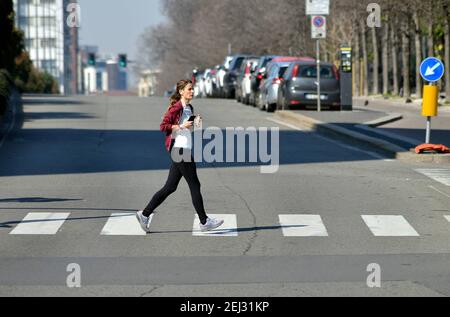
(51, 42)
(147, 83)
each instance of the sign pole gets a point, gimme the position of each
(318, 77)
(428, 138)
(428, 134)
(431, 70)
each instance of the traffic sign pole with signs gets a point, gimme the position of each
(317, 9)
(431, 70)
(318, 31)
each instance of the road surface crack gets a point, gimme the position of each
(146, 294)
(247, 205)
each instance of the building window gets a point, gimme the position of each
(48, 43)
(48, 21)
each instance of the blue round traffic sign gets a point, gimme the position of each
(318, 21)
(432, 69)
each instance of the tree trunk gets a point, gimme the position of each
(405, 58)
(356, 61)
(385, 49)
(430, 42)
(376, 62)
(365, 59)
(430, 39)
(447, 54)
(395, 84)
(418, 53)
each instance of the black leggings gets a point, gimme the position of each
(188, 170)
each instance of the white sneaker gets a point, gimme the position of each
(211, 224)
(143, 221)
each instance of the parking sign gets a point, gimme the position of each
(318, 27)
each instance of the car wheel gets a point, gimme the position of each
(271, 107)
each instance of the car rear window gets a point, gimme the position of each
(266, 61)
(282, 71)
(326, 72)
(238, 63)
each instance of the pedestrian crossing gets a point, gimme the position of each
(440, 175)
(40, 224)
(300, 225)
(390, 226)
(123, 224)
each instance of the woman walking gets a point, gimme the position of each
(178, 125)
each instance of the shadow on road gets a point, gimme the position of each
(35, 200)
(82, 151)
(47, 100)
(56, 115)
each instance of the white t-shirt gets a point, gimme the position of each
(183, 137)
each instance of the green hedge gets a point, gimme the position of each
(5, 90)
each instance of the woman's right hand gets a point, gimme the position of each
(188, 124)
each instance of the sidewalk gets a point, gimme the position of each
(413, 124)
(392, 127)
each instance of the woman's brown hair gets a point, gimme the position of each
(176, 95)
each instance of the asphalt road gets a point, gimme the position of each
(82, 166)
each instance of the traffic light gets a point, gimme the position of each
(91, 59)
(123, 60)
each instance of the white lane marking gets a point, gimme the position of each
(123, 224)
(390, 226)
(302, 226)
(434, 188)
(440, 175)
(228, 229)
(448, 218)
(40, 224)
(372, 154)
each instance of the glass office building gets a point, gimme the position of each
(50, 41)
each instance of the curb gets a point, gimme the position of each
(386, 147)
(382, 121)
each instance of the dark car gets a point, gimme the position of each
(298, 89)
(267, 95)
(260, 72)
(230, 79)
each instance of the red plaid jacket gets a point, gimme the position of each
(172, 118)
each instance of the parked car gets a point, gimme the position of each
(260, 72)
(199, 83)
(268, 95)
(230, 79)
(207, 83)
(221, 72)
(210, 83)
(243, 84)
(299, 89)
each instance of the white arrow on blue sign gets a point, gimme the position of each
(432, 69)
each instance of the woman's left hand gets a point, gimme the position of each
(198, 120)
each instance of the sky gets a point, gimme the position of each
(115, 25)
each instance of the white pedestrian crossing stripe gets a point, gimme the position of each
(390, 226)
(228, 229)
(126, 224)
(438, 174)
(302, 226)
(40, 224)
(123, 224)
